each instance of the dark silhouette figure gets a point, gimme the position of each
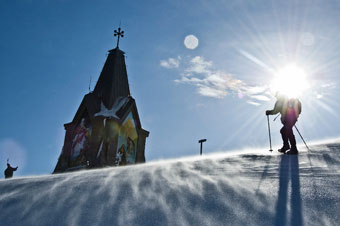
(290, 109)
(9, 171)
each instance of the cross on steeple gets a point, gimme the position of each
(119, 33)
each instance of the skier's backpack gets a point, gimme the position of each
(294, 109)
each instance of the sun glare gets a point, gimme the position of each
(290, 81)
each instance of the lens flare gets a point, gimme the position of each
(290, 81)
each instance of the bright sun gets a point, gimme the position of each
(290, 81)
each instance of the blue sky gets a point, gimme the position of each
(219, 90)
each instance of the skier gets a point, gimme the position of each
(9, 171)
(290, 109)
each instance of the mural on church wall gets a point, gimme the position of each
(80, 143)
(127, 142)
(119, 144)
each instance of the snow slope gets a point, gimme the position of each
(257, 188)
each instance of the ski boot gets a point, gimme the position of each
(284, 149)
(293, 151)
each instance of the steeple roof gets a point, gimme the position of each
(113, 80)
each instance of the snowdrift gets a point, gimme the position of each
(257, 188)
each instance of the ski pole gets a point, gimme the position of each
(276, 117)
(301, 137)
(270, 138)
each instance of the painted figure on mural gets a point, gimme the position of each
(121, 156)
(130, 151)
(80, 142)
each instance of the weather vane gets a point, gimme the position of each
(119, 33)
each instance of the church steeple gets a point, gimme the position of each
(106, 129)
(113, 80)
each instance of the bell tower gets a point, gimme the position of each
(106, 129)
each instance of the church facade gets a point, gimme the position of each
(106, 129)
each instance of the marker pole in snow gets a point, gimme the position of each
(201, 142)
(301, 137)
(270, 137)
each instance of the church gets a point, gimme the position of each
(106, 129)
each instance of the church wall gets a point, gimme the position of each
(142, 135)
(101, 141)
(96, 140)
(104, 143)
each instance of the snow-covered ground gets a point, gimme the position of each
(256, 188)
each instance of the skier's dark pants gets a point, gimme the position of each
(287, 134)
